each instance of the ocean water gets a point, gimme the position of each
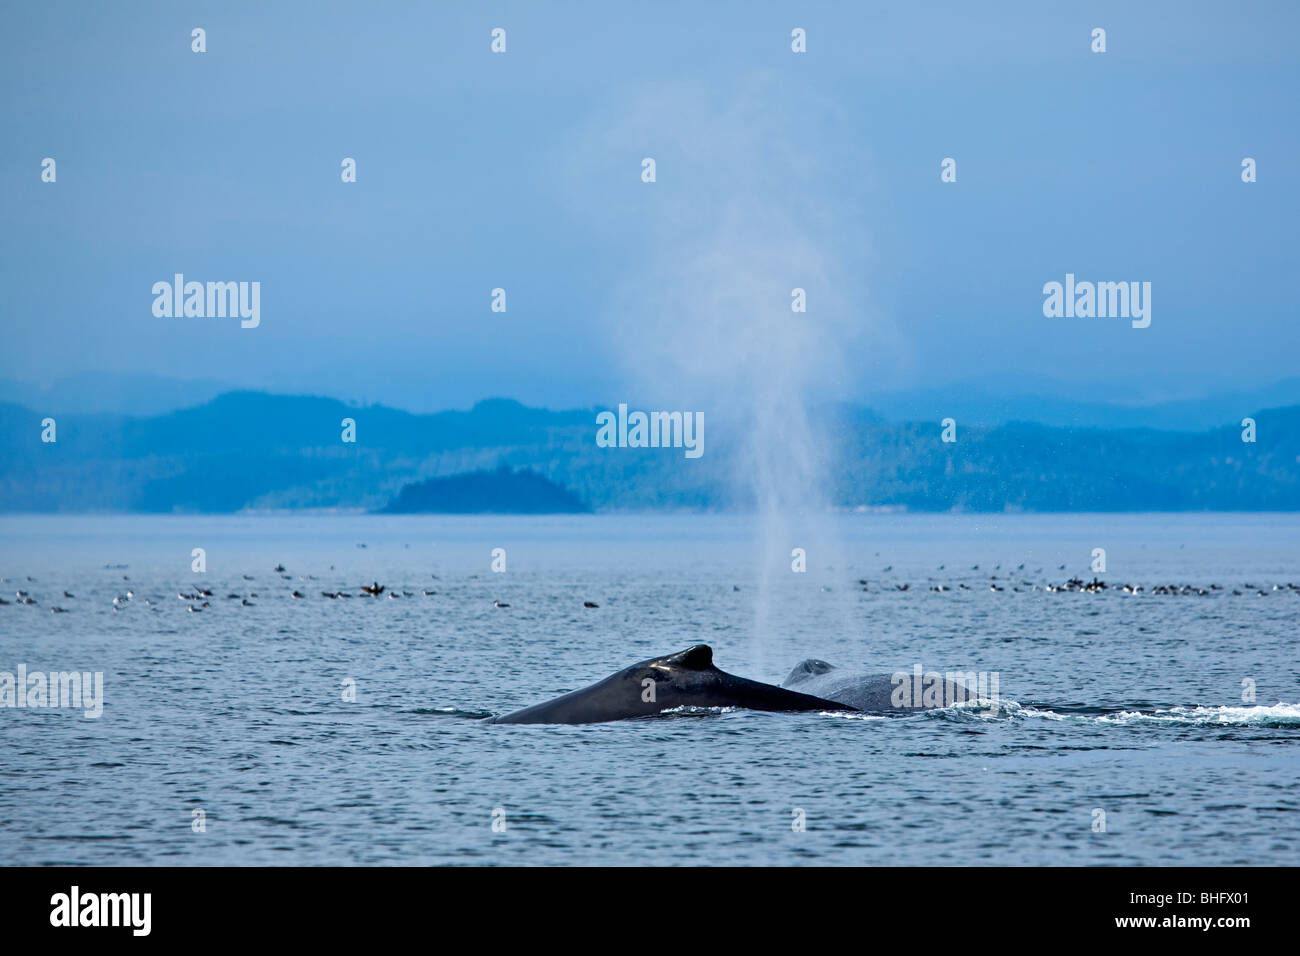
(1127, 705)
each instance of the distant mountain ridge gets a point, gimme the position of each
(988, 401)
(251, 450)
(984, 405)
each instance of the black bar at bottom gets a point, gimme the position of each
(637, 905)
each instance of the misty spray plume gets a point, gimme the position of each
(748, 205)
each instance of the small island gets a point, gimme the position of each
(503, 491)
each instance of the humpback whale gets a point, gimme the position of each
(870, 693)
(685, 679)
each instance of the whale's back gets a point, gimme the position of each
(685, 679)
(865, 692)
(870, 693)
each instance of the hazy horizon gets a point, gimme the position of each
(819, 170)
(147, 395)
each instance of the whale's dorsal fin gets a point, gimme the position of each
(806, 669)
(697, 657)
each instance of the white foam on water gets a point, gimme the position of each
(849, 715)
(1274, 715)
(1279, 714)
(689, 710)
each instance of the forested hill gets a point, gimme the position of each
(248, 450)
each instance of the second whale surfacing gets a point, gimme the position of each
(869, 693)
(684, 679)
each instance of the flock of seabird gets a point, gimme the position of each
(198, 598)
(1096, 585)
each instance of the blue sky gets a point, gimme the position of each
(775, 170)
